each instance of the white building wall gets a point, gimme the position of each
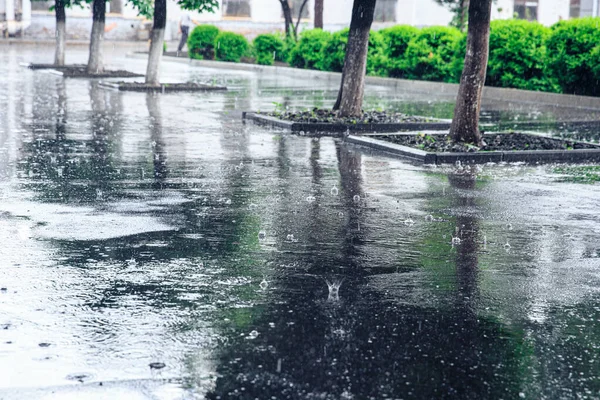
(428, 13)
(552, 11)
(266, 11)
(503, 9)
(336, 12)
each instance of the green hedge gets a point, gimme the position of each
(396, 39)
(268, 48)
(525, 55)
(431, 53)
(307, 52)
(333, 53)
(201, 42)
(572, 57)
(518, 55)
(230, 46)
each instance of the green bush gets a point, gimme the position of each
(268, 48)
(572, 58)
(307, 52)
(334, 52)
(201, 42)
(431, 53)
(517, 55)
(396, 39)
(230, 46)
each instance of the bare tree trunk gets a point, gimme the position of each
(319, 14)
(98, 16)
(465, 124)
(350, 96)
(299, 18)
(61, 32)
(156, 43)
(287, 16)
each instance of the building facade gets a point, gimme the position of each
(251, 17)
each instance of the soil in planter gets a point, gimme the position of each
(317, 115)
(82, 73)
(493, 142)
(166, 87)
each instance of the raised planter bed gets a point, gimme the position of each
(341, 128)
(52, 66)
(165, 87)
(82, 73)
(573, 152)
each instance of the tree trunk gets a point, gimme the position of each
(156, 42)
(98, 17)
(61, 32)
(287, 16)
(319, 14)
(350, 96)
(465, 124)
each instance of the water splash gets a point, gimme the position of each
(334, 289)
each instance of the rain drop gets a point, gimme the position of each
(334, 191)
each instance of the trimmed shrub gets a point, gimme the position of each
(517, 55)
(334, 52)
(430, 55)
(572, 60)
(268, 48)
(307, 52)
(201, 42)
(396, 39)
(230, 46)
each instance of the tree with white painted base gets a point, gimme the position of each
(158, 32)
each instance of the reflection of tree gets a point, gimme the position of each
(156, 135)
(61, 166)
(466, 239)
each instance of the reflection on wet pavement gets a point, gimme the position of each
(140, 230)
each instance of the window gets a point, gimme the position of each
(236, 8)
(581, 8)
(526, 9)
(385, 11)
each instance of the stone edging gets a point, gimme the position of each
(449, 89)
(331, 129)
(528, 156)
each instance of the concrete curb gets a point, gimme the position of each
(527, 156)
(449, 89)
(163, 88)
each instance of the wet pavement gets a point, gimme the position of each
(154, 247)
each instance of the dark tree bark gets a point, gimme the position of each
(350, 96)
(156, 42)
(319, 14)
(98, 21)
(289, 22)
(465, 124)
(61, 31)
